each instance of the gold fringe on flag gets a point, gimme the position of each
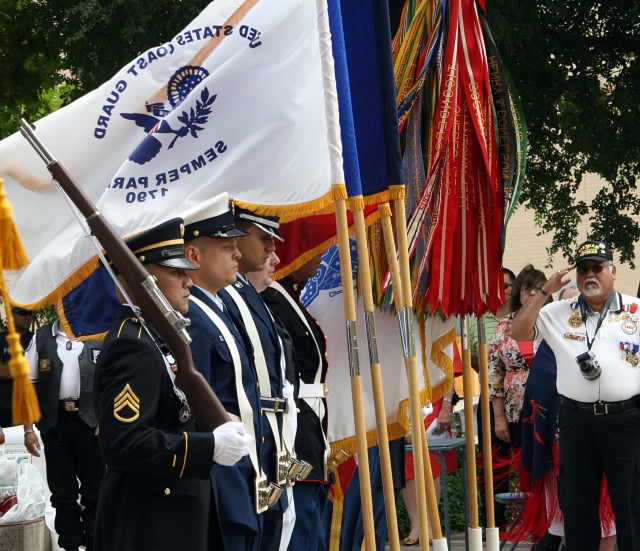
(26, 409)
(12, 253)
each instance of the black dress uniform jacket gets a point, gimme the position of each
(310, 444)
(156, 493)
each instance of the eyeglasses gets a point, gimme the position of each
(22, 312)
(507, 285)
(584, 270)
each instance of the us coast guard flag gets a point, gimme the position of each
(323, 297)
(234, 102)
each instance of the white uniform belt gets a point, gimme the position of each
(314, 390)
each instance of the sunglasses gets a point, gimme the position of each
(595, 268)
(507, 285)
(22, 312)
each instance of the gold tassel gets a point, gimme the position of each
(26, 409)
(13, 255)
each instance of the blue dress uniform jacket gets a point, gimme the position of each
(271, 349)
(156, 493)
(211, 356)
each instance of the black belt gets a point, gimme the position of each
(70, 404)
(277, 405)
(600, 407)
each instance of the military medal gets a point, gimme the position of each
(185, 413)
(630, 352)
(575, 320)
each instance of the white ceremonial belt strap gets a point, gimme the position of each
(263, 379)
(246, 412)
(317, 406)
(314, 390)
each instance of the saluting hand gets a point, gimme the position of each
(232, 443)
(558, 280)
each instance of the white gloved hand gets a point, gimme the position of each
(232, 443)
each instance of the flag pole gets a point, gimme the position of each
(354, 370)
(426, 493)
(475, 532)
(346, 274)
(364, 273)
(492, 533)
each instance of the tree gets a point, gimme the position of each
(576, 66)
(574, 62)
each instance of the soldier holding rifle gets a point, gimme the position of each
(156, 493)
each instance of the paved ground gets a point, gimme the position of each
(458, 544)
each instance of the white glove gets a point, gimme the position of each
(232, 443)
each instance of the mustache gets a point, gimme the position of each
(592, 280)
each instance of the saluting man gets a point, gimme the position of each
(157, 491)
(596, 343)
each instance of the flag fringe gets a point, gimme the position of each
(375, 198)
(397, 191)
(320, 248)
(69, 284)
(287, 213)
(66, 326)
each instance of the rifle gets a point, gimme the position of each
(207, 410)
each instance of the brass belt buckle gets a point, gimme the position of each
(70, 405)
(600, 408)
(262, 494)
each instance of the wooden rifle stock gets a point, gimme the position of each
(207, 409)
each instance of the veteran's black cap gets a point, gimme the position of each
(269, 224)
(593, 250)
(212, 218)
(163, 244)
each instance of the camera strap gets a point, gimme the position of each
(605, 311)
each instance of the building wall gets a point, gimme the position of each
(524, 246)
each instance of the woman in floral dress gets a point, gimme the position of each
(510, 361)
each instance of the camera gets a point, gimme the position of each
(589, 366)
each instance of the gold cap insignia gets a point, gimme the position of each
(126, 399)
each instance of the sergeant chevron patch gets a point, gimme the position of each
(126, 405)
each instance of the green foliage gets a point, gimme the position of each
(576, 66)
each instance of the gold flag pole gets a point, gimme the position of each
(475, 532)
(492, 533)
(425, 489)
(364, 273)
(348, 298)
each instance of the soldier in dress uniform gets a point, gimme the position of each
(310, 494)
(223, 353)
(245, 302)
(157, 492)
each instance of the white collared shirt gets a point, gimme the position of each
(70, 378)
(560, 324)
